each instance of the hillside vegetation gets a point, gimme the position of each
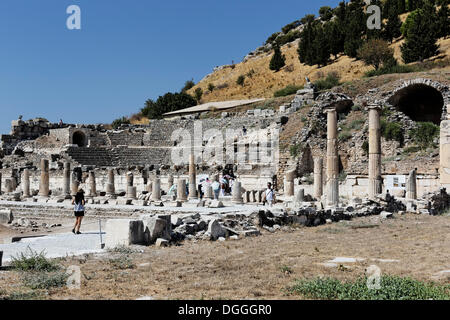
(336, 47)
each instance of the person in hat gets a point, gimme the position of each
(79, 203)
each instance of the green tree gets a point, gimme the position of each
(421, 35)
(278, 60)
(376, 52)
(188, 85)
(393, 24)
(355, 27)
(443, 20)
(305, 46)
(198, 94)
(240, 80)
(167, 103)
(321, 46)
(326, 13)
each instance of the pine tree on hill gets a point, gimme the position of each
(321, 46)
(421, 36)
(278, 60)
(356, 27)
(443, 19)
(393, 24)
(305, 46)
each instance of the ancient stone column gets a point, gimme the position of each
(130, 179)
(246, 196)
(131, 192)
(289, 183)
(92, 185)
(444, 154)
(26, 183)
(9, 186)
(170, 181)
(300, 196)
(156, 194)
(236, 196)
(192, 178)
(110, 186)
(0, 183)
(44, 187)
(411, 185)
(74, 185)
(374, 151)
(181, 190)
(149, 187)
(66, 179)
(332, 159)
(209, 194)
(318, 178)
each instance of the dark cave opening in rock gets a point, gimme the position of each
(79, 138)
(419, 102)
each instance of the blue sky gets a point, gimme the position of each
(126, 52)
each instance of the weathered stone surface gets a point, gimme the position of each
(162, 242)
(6, 216)
(216, 230)
(123, 232)
(155, 228)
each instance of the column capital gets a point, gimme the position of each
(374, 106)
(329, 109)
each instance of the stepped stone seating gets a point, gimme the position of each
(99, 157)
(125, 138)
(141, 156)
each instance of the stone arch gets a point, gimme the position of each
(79, 138)
(421, 100)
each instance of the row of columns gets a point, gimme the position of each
(332, 182)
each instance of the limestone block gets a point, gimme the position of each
(123, 232)
(155, 228)
(6, 216)
(216, 230)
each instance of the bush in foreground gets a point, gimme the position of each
(391, 288)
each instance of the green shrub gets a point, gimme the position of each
(425, 134)
(356, 107)
(400, 68)
(44, 280)
(331, 81)
(412, 149)
(33, 261)
(211, 87)
(392, 131)
(240, 80)
(392, 288)
(118, 122)
(357, 124)
(123, 262)
(344, 136)
(288, 90)
(295, 150)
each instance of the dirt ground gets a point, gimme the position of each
(262, 267)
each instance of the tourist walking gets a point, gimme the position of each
(269, 195)
(79, 203)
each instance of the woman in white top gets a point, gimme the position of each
(269, 194)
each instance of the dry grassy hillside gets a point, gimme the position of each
(261, 82)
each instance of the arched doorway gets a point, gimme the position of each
(79, 138)
(420, 102)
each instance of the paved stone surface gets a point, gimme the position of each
(57, 245)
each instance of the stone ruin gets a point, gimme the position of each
(129, 173)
